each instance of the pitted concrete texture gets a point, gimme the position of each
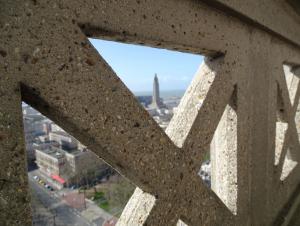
(223, 157)
(263, 13)
(193, 99)
(14, 191)
(138, 208)
(47, 60)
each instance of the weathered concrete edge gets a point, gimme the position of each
(288, 211)
(234, 10)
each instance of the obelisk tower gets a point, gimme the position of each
(156, 101)
(155, 95)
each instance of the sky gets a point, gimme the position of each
(136, 65)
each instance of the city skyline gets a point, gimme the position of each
(136, 65)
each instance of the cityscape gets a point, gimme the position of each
(72, 186)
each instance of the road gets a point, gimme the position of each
(61, 212)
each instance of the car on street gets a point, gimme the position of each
(74, 187)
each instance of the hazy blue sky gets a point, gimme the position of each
(136, 65)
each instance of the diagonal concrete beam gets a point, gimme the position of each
(86, 98)
(71, 84)
(64, 78)
(211, 110)
(193, 194)
(190, 29)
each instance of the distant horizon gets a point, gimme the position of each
(163, 93)
(161, 90)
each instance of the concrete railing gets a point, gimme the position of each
(248, 116)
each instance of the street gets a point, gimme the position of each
(61, 214)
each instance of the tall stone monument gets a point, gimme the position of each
(156, 101)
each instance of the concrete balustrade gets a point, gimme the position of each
(47, 61)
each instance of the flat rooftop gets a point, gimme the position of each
(53, 152)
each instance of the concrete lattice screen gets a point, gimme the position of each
(47, 61)
(286, 152)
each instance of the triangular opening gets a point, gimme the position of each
(158, 78)
(180, 222)
(69, 184)
(288, 166)
(292, 80)
(283, 149)
(292, 76)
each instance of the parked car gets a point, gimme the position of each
(36, 178)
(74, 187)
